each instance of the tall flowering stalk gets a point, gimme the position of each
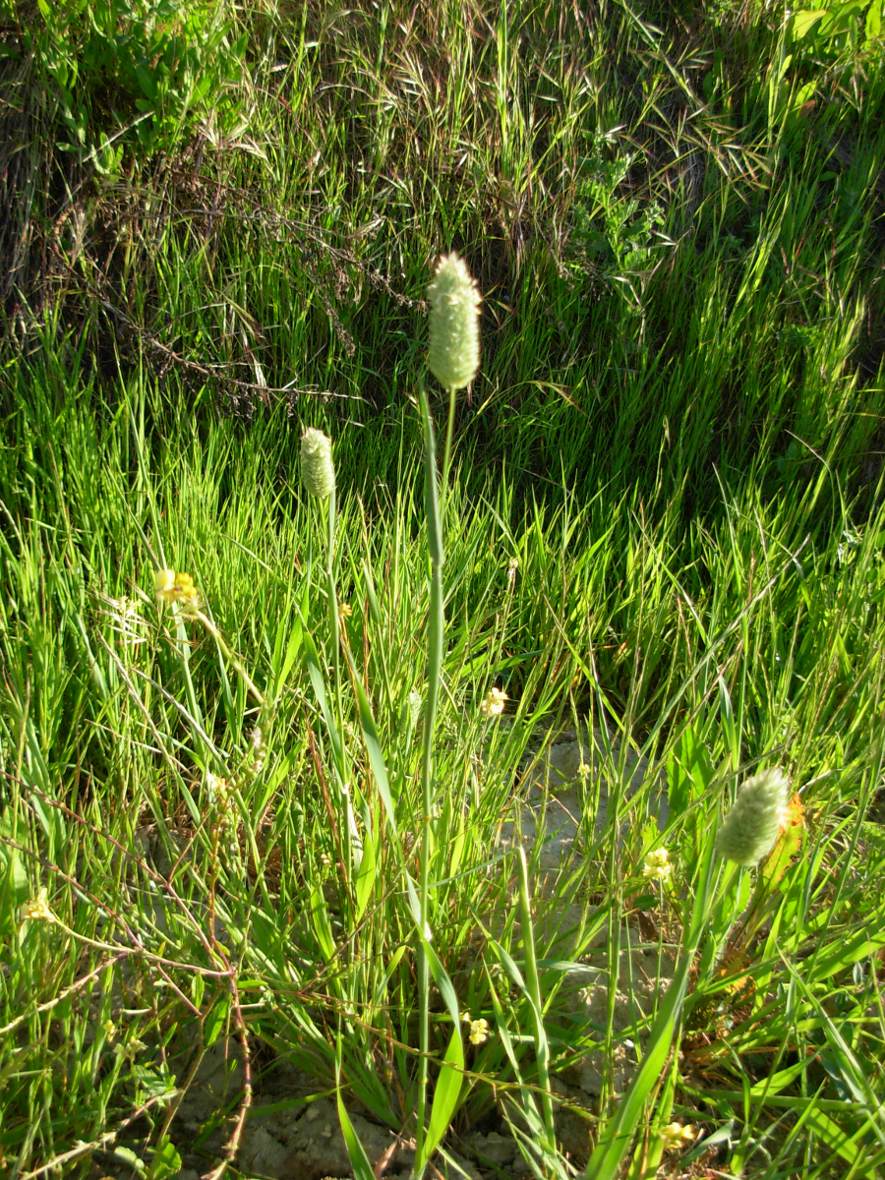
(453, 358)
(318, 477)
(317, 468)
(748, 834)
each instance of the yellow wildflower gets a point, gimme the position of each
(176, 587)
(37, 909)
(676, 1135)
(164, 582)
(657, 866)
(479, 1032)
(492, 704)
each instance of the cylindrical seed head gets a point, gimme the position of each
(317, 468)
(453, 356)
(751, 828)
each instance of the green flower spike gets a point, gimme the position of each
(751, 828)
(453, 356)
(317, 468)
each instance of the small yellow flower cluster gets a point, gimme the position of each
(130, 1049)
(37, 909)
(676, 1135)
(657, 866)
(479, 1029)
(176, 587)
(492, 704)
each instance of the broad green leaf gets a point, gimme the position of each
(833, 1136)
(873, 23)
(778, 1081)
(844, 953)
(366, 873)
(445, 1096)
(376, 758)
(216, 1020)
(617, 1136)
(805, 20)
(356, 1153)
(165, 1161)
(318, 681)
(14, 887)
(442, 981)
(293, 650)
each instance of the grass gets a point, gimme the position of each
(664, 519)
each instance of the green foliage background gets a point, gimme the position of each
(665, 515)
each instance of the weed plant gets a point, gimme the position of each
(228, 814)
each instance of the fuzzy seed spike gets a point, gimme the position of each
(317, 468)
(453, 356)
(751, 828)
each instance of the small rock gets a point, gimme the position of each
(317, 1147)
(493, 1150)
(260, 1152)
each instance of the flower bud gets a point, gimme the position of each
(751, 828)
(453, 356)
(317, 469)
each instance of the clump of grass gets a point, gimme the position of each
(272, 807)
(250, 850)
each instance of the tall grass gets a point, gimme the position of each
(662, 523)
(765, 644)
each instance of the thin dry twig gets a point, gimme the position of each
(82, 1149)
(233, 1143)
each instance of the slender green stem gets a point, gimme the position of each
(533, 984)
(434, 675)
(234, 660)
(341, 769)
(447, 449)
(333, 599)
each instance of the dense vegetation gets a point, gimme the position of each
(663, 519)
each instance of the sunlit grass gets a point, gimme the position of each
(663, 526)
